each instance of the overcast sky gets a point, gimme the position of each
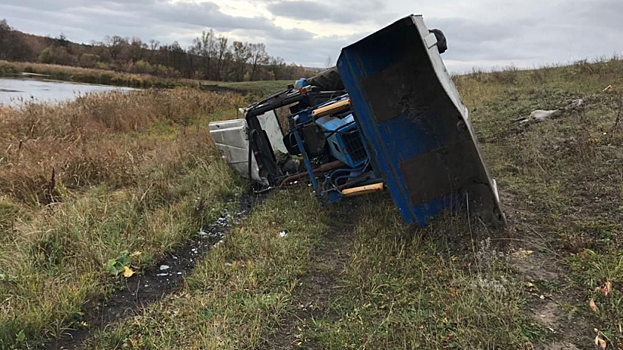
(484, 33)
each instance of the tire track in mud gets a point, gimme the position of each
(154, 282)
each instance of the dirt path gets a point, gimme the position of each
(316, 289)
(152, 284)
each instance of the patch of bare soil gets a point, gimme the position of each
(152, 284)
(537, 260)
(316, 289)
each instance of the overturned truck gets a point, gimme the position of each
(387, 117)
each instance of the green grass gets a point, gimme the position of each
(445, 286)
(562, 178)
(404, 288)
(237, 295)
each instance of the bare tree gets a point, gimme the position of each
(208, 51)
(329, 62)
(154, 44)
(242, 54)
(259, 57)
(223, 49)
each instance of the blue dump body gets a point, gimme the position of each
(414, 125)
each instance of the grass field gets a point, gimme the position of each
(296, 275)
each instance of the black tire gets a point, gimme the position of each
(327, 80)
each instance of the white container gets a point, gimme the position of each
(232, 139)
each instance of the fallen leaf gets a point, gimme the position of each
(600, 342)
(522, 253)
(454, 291)
(607, 288)
(127, 272)
(593, 306)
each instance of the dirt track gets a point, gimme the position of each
(148, 286)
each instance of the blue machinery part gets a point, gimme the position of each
(308, 166)
(342, 141)
(411, 116)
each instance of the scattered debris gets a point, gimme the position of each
(608, 88)
(283, 234)
(164, 267)
(593, 306)
(600, 342)
(605, 289)
(540, 115)
(576, 104)
(152, 283)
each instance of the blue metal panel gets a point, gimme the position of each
(418, 137)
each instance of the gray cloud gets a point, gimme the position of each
(556, 34)
(483, 34)
(87, 20)
(307, 10)
(348, 11)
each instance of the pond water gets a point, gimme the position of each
(15, 90)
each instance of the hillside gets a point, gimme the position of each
(210, 57)
(137, 176)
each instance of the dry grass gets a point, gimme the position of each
(48, 148)
(135, 171)
(562, 179)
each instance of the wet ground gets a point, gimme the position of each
(155, 282)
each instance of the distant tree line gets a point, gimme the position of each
(210, 57)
